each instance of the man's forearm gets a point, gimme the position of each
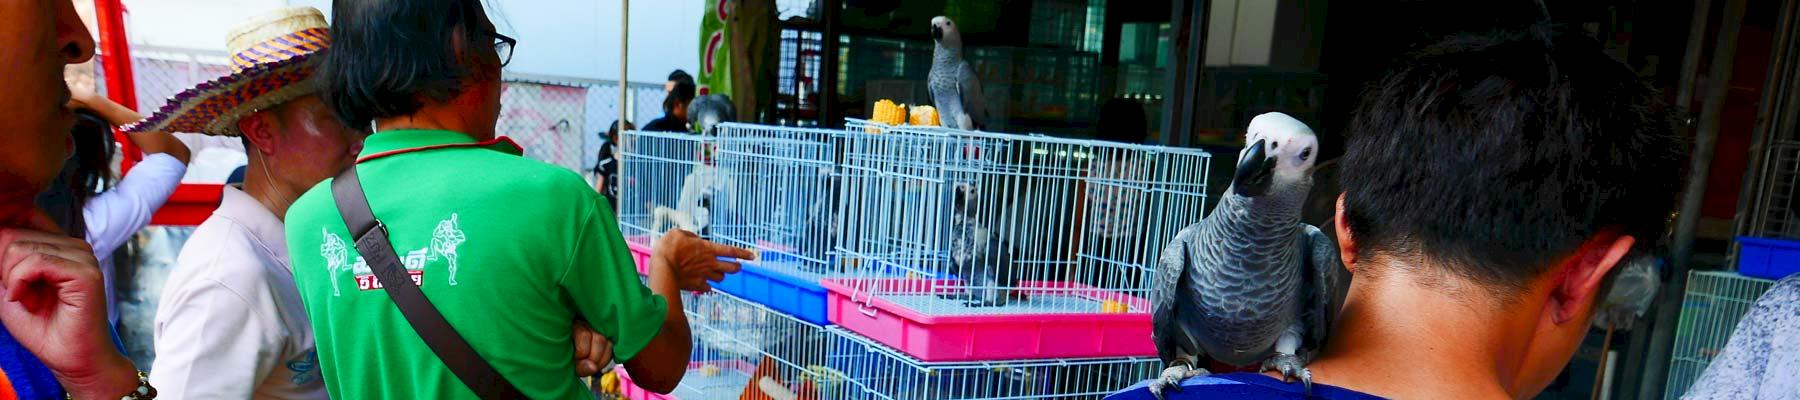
(161, 142)
(114, 113)
(113, 378)
(149, 142)
(660, 366)
(675, 324)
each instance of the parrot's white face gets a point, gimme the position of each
(1288, 142)
(944, 31)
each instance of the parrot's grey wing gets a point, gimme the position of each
(1166, 294)
(974, 103)
(1327, 283)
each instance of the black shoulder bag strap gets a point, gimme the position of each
(372, 242)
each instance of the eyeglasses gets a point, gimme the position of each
(503, 47)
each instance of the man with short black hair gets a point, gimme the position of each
(678, 92)
(1492, 185)
(507, 251)
(1492, 182)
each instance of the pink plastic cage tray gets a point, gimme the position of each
(704, 380)
(640, 252)
(891, 319)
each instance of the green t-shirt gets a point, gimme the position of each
(510, 250)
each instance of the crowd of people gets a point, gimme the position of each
(373, 163)
(241, 317)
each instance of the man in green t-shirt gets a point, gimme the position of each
(511, 251)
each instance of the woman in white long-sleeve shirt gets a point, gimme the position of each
(111, 214)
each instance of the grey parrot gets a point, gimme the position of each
(708, 111)
(954, 88)
(822, 221)
(978, 255)
(1633, 288)
(1251, 284)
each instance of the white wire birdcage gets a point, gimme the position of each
(668, 180)
(789, 356)
(1136, 199)
(718, 368)
(747, 350)
(874, 371)
(925, 202)
(1710, 310)
(789, 213)
(987, 223)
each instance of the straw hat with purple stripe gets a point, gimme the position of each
(272, 59)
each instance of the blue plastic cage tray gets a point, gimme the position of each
(778, 281)
(801, 297)
(1768, 258)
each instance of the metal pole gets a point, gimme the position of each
(1638, 354)
(624, 58)
(829, 111)
(1187, 63)
(1718, 84)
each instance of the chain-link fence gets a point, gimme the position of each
(556, 119)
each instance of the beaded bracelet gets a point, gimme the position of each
(143, 392)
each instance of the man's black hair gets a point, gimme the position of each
(387, 54)
(1493, 155)
(683, 92)
(612, 130)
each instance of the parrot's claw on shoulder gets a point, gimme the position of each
(1172, 376)
(1291, 369)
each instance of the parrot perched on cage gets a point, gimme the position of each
(1251, 284)
(955, 90)
(979, 255)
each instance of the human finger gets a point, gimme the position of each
(582, 347)
(727, 267)
(27, 275)
(724, 250)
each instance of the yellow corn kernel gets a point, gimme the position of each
(924, 116)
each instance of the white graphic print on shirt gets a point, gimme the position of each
(444, 241)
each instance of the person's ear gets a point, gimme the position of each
(1583, 273)
(1346, 244)
(259, 131)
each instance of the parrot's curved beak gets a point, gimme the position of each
(937, 33)
(1254, 172)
